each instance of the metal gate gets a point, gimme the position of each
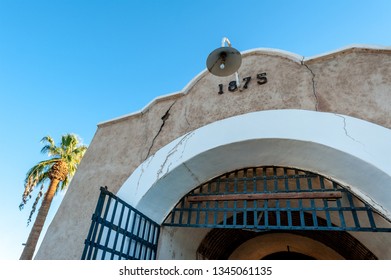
(256, 199)
(275, 198)
(118, 232)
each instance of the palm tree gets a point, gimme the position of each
(58, 171)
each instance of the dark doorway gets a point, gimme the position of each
(287, 256)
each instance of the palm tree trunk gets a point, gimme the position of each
(29, 249)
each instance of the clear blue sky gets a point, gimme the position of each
(67, 65)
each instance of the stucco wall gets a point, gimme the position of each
(354, 82)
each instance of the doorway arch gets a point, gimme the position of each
(335, 146)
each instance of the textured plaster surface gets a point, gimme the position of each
(352, 82)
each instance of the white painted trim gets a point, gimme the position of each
(143, 110)
(351, 151)
(276, 52)
(300, 58)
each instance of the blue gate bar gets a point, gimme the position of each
(110, 235)
(289, 199)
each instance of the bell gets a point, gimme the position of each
(224, 61)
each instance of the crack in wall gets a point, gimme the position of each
(187, 121)
(313, 84)
(164, 119)
(380, 209)
(143, 169)
(192, 174)
(183, 142)
(145, 164)
(346, 130)
(375, 206)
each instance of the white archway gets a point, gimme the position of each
(350, 151)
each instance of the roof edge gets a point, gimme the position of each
(269, 51)
(349, 49)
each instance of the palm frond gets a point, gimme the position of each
(38, 174)
(34, 207)
(40, 168)
(50, 148)
(69, 143)
(49, 140)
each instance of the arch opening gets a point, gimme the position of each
(275, 198)
(354, 160)
(228, 206)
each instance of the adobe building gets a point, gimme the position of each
(295, 163)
